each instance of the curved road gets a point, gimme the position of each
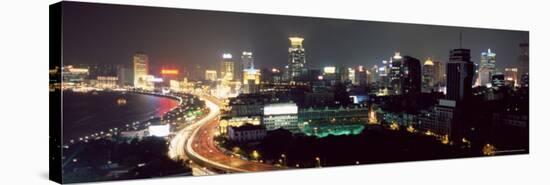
(201, 149)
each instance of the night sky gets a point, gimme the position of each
(95, 33)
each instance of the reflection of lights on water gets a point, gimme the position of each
(121, 101)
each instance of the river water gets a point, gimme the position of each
(88, 113)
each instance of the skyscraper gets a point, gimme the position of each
(351, 75)
(523, 58)
(251, 80)
(396, 73)
(383, 74)
(210, 75)
(361, 76)
(227, 70)
(247, 60)
(195, 74)
(141, 70)
(297, 59)
(439, 71)
(460, 72)
(511, 76)
(125, 76)
(375, 75)
(412, 75)
(343, 73)
(487, 68)
(428, 75)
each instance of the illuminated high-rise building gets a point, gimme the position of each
(428, 76)
(511, 76)
(297, 59)
(396, 73)
(460, 73)
(342, 74)
(523, 59)
(247, 60)
(227, 71)
(361, 76)
(210, 75)
(141, 71)
(439, 71)
(383, 73)
(351, 75)
(487, 68)
(251, 80)
(374, 74)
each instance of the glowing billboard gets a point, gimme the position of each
(169, 72)
(280, 109)
(159, 130)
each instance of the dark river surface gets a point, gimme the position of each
(88, 113)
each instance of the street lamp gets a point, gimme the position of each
(318, 161)
(255, 155)
(284, 159)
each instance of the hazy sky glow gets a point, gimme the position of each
(178, 37)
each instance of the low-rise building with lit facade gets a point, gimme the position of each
(74, 75)
(246, 133)
(333, 113)
(106, 82)
(210, 75)
(281, 115)
(227, 122)
(439, 120)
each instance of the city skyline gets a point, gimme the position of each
(172, 42)
(203, 92)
